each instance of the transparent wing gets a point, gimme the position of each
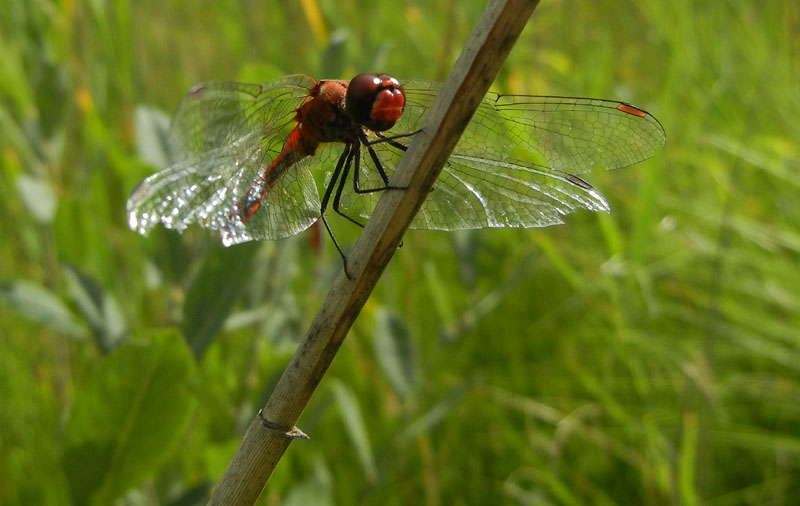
(217, 114)
(225, 136)
(207, 191)
(565, 133)
(474, 192)
(515, 164)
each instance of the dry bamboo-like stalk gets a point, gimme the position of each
(273, 429)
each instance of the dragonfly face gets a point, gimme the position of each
(375, 101)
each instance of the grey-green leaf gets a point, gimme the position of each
(42, 306)
(395, 351)
(98, 306)
(214, 291)
(356, 429)
(152, 136)
(38, 198)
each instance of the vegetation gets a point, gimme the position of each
(648, 356)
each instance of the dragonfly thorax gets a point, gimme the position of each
(322, 117)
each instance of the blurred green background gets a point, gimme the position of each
(649, 356)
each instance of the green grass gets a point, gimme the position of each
(650, 356)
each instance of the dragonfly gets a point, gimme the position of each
(251, 160)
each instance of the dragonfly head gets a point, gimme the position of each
(375, 101)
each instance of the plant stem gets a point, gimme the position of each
(473, 73)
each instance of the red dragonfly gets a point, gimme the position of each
(246, 155)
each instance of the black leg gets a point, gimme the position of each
(355, 154)
(391, 139)
(334, 177)
(339, 177)
(378, 164)
(345, 158)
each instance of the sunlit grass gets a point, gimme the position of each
(648, 356)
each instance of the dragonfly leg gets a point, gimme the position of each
(345, 158)
(392, 139)
(392, 142)
(338, 248)
(378, 165)
(354, 154)
(355, 182)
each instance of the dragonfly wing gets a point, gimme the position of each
(217, 114)
(291, 206)
(207, 190)
(515, 163)
(571, 134)
(473, 192)
(224, 135)
(565, 133)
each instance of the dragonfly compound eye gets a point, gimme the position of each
(375, 101)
